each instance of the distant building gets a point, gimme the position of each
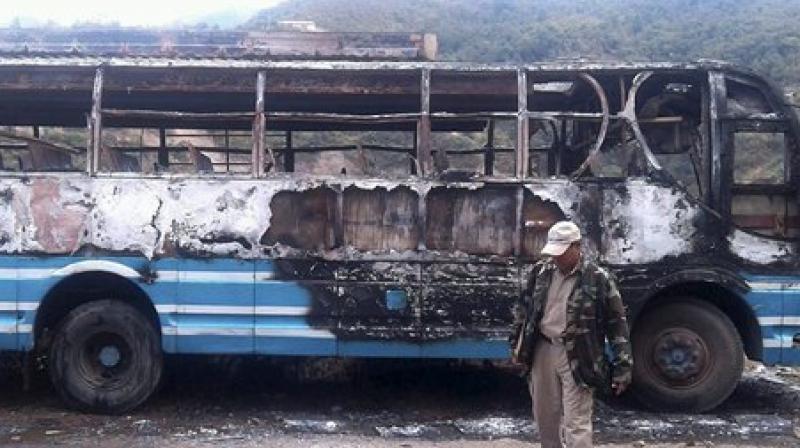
(307, 26)
(295, 39)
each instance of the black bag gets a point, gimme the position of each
(522, 348)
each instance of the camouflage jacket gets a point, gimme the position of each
(595, 313)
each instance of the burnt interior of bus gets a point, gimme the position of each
(450, 125)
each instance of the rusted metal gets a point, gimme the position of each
(523, 123)
(717, 109)
(605, 116)
(629, 113)
(423, 134)
(259, 157)
(163, 153)
(489, 150)
(93, 163)
(175, 115)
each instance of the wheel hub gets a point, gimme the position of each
(105, 359)
(680, 357)
(109, 356)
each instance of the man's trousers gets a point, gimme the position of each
(562, 409)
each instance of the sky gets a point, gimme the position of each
(152, 13)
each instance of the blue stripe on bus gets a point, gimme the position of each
(214, 345)
(775, 299)
(771, 356)
(281, 293)
(766, 302)
(776, 302)
(231, 294)
(8, 328)
(294, 346)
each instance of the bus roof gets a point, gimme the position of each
(66, 60)
(355, 88)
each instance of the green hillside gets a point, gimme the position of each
(761, 34)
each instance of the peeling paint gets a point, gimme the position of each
(760, 250)
(645, 223)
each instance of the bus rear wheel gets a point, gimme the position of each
(687, 357)
(105, 358)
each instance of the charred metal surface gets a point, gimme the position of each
(381, 219)
(479, 222)
(461, 298)
(303, 220)
(537, 217)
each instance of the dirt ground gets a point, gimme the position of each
(246, 402)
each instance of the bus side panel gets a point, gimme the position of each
(286, 320)
(34, 281)
(215, 306)
(8, 304)
(468, 300)
(766, 297)
(378, 300)
(163, 292)
(791, 322)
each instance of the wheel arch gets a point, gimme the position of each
(722, 289)
(84, 283)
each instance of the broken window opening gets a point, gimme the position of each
(764, 190)
(385, 154)
(123, 150)
(489, 152)
(208, 151)
(621, 153)
(579, 112)
(474, 125)
(361, 124)
(764, 195)
(176, 151)
(685, 169)
(42, 149)
(668, 111)
(747, 100)
(282, 145)
(759, 158)
(544, 148)
(173, 121)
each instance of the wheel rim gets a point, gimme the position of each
(105, 360)
(680, 358)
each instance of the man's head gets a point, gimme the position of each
(564, 245)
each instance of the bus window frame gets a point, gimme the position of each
(260, 115)
(724, 126)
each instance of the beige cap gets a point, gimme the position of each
(559, 238)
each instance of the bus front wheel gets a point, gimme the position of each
(687, 357)
(105, 358)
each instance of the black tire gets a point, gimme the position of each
(106, 358)
(687, 357)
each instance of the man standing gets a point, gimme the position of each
(569, 309)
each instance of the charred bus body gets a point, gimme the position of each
(223, 224)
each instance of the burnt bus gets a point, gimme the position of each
(155, 206)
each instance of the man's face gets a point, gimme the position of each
(567, 261)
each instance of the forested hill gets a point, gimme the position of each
(761, 34)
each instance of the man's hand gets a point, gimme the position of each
(618, 388)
